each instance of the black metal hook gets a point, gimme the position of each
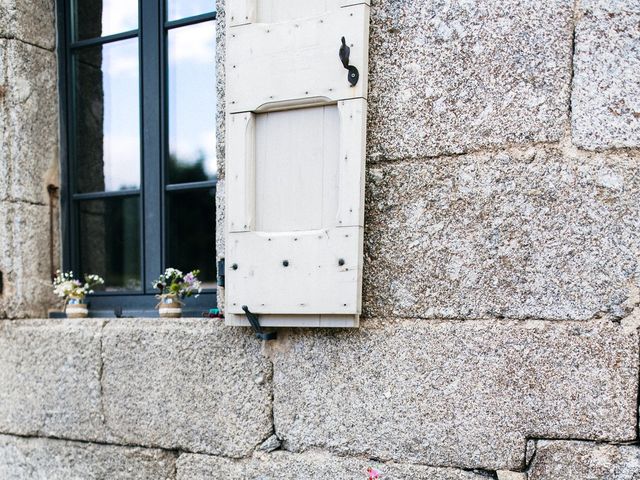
(255, 323)
(353, 76)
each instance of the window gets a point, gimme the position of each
(138, 102)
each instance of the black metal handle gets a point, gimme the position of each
(255, 323)
(353, 76)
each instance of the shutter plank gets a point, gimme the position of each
(353, 124)
(240, 177)
(301, 58)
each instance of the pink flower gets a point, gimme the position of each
(373, 473)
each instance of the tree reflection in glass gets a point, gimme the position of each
(192, 103)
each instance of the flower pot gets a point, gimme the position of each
(76, 308)
(170, 306)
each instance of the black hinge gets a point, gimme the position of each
(220, 278)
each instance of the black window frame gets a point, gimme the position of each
(152, 34)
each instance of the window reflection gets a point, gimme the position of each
(191, 233)
(177, 9)
(110, 241)
(192, 103)
(107, 140)
(99, 18)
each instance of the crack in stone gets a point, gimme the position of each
(564, 144)
(35, 45)
(17, 201)
(101, 377)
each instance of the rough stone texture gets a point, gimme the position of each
(31, 21)
(283, 465)
(28, 121)
(450, 77)
(459, 394)
(25, 261)
(557, 460)
(549, 234)
(40, 459)
(606, 91)
(220, 86)
(506, 475)
(50, 378)
(188, 384)
(220, 233)
(28, 164)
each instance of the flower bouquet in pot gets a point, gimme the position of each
(174, 286)
(74, 292)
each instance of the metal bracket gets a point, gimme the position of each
(220, 279)
(255, 323)
(353, 76)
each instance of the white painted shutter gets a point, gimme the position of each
(295, 161)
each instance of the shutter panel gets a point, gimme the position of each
(295, 161)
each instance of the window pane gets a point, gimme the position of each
(177, 9)
(99, 18)
(191, 235)
(192, 103)
(107, 118)
(110, 241)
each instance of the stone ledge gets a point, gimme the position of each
(458, 394)
(38, 458)
(186, 384)
(566, 460)
(288, 466)
(50, 377)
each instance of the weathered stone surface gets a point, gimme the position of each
(50, 378)
(31, 21)
(220, 85)
(189, 384)
(25, 259)
(450, 77)
(459, 394)
(606, 92)
(507, 475)
(28, 122)
(40, 459)
(556, 460)
(283, 465)
(5, 254)
(547, 234)
(220, 233)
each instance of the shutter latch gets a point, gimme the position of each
(344, 53)
(255, 323)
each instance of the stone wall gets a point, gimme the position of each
(29, 157)
(501, 329)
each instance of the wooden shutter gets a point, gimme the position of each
(295, 161)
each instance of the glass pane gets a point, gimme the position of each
(110, 241)
(99, 18)
(191, 235)
(107, 118)
(192, 103)
(177, 9)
